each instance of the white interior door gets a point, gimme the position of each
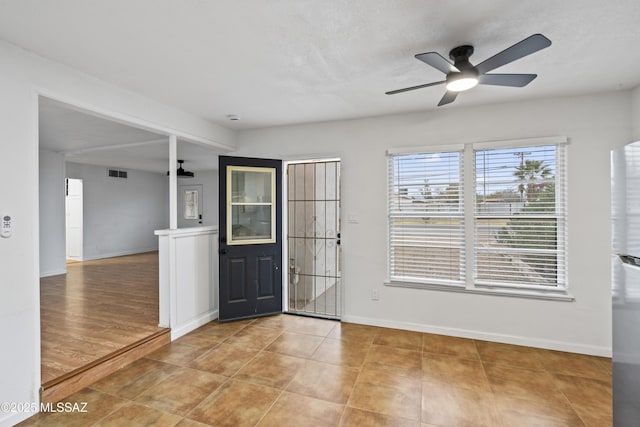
(73, 207)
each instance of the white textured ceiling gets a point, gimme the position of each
(291, 61)
(85, 138)
(63, 129)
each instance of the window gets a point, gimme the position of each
(250, 208)
(426, 218)
(480, 217)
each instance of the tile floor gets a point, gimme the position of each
(290, 370)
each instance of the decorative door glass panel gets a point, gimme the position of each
(250, 207)
(191, 204)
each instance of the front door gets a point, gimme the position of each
(250, 237)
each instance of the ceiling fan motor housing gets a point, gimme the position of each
(461, 53)
(460, 56)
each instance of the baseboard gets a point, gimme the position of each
(185, 328)
(485, 336)
(117, 254)
(53, 273)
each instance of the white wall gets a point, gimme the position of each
(594, 125)
(120, 215)
(635, 113)
(22, 76)
(209, 182)
(52, 214)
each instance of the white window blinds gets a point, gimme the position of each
(426, 218)
(519, 216)
(515, 213)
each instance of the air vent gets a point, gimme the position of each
(114, 173)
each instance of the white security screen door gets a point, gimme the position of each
(313, 212)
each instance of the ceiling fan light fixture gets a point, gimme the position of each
(459, 82)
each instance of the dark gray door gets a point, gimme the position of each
(250, 237)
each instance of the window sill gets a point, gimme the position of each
(555, 295)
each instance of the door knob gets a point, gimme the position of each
(223, 251)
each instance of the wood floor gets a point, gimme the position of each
(298, 371)
(96, 310)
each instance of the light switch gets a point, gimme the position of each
(353, 218)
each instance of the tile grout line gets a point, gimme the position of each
(232, 377)
(360, 369)
(228, 379)
(117, 408)
(486, 377)
(147, 405)
(546, 371)
(566, 399)
(290, 381)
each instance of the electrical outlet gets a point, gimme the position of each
(374, 294)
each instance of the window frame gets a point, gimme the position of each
(468, 182)
(231, 203)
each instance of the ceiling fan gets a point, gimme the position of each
(181, 172)
(461, 75)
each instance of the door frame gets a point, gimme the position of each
(285, 224)
(93, 103)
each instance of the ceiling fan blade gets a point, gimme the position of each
(406, 89)
(436, 61)
(521, 49)
(513, 80)
(448, 98)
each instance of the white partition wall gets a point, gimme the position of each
(188, 278)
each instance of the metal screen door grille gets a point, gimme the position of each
(314, 238)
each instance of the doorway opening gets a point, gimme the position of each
(99, 274)
(313, 238)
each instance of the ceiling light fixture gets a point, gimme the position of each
(459, 82)
(181, 173)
